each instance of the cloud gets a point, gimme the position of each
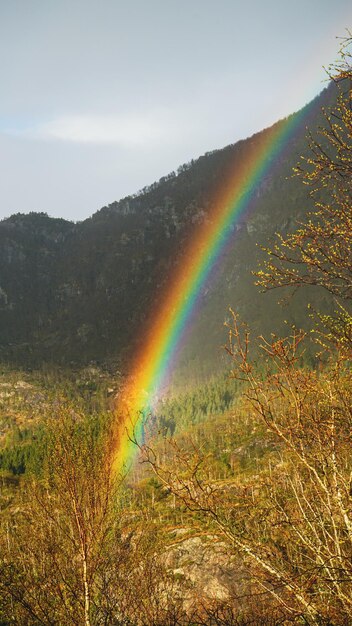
(126, 131)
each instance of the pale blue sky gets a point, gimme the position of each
(102, 97)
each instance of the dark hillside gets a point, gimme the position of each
(81, 292)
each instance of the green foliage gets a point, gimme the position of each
(31, 407)
(25, 451)
(182, 410)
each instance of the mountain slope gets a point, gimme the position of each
(72, 293)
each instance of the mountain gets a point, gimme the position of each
(75, 293)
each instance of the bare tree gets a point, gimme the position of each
(58, 532)
(69, 551)
(319, 252)
(292, 521)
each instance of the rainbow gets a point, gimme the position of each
(164, 334)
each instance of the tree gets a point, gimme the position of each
(58, 533)
(319, 252)
(69, 553)
(291, 520)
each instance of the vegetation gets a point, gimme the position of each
(291, 520)
(179, 411)
(66, 558)
(319, 253)
(239, 511)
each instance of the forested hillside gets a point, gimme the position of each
(75, 293)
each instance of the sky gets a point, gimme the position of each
(102, 97)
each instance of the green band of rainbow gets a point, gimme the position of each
(160, 343)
